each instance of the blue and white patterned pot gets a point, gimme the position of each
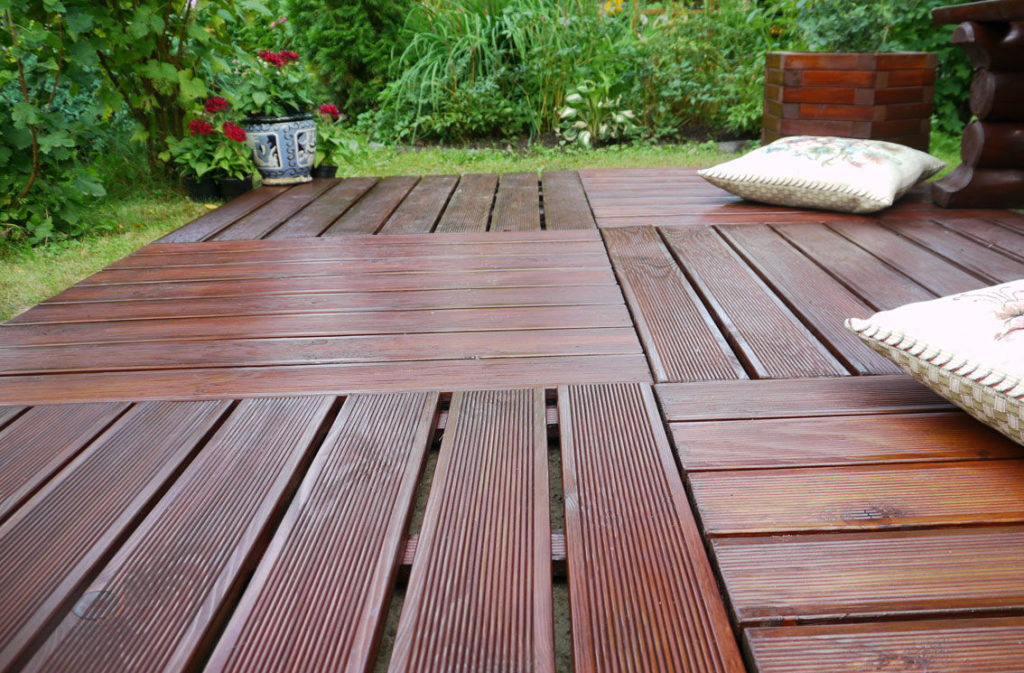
(283, 148)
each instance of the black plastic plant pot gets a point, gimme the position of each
(234, 187)
(325, 171)
(201, 189)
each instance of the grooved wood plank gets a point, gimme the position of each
(730, 445)
(479, 595)
(641, 590)
(469, 209)
(993, 645)
(319, 350)
(517, 203)
(8, 414)
(679, 336)
(768, 337)
(859, 497)
(315, 218)
(979, 259)
(929, 270)
(814, 295)
(210, 383)
(988, 233)
(160, 599)
(41, 441)
(327, 324)
(720, 400)
(565, 202)
(66, 524)
(872, 575)
(873, 281)
(205, 226)
(371, 212)
(318, 598)
(423, 207)
(259, 223)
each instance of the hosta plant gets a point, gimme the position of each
(593, 116)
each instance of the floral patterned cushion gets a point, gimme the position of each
(844, 174)
(969, 348)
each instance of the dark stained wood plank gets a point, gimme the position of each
(479, 595)
(716, 400)
(565, 202)
(326, 575)
(8, 414)
(423, 207)
(517, 203)
(872, 575)
(929, 270)
(873, 281)
(43, 440)
(259, 223)
(66, 524)
(766, 335)
(320, 324)
(979, 259)
(820, 300)
(213, 383)
(315, 218)
(319, 350)
(679, 336)
(469, 209)
(371, 212)
(205, 226)
(730, 445)
(162, 596)
(988, 233)
(993, 645)
(859, 497)
(642, 593)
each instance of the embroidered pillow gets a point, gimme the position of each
(845, 174)
(969, 348)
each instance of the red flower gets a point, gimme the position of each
(198, 126)
(330, 109)
(288, 56)
(233, 131)
(215, 104)
(271, 57)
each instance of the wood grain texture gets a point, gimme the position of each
(422, 208)
(370, 213)
(315, 218)
(902, 574)
(679, 335)
(262, 221)
(981, 260)
(161, 598)
(641, 590)
(318, 598)
(767, 336)
(208, 225)
(479, 595)
(470, 206)
(993, 645)
(74, 531)
(1008, 240)
(565, 202)
(8, 414)
(516, 203)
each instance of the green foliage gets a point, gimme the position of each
(335, 144)
(212, 144)
(594, 115)
(271, 84)
(350, 44)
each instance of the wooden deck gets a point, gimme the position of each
(606, 421)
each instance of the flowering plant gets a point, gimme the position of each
(274, 84)
(333, 144)
(211, 144)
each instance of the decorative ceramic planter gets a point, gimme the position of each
(852, 95)
(283, 148)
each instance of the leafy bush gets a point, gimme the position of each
(594, 115)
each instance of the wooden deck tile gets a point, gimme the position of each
(371, 212)
(315, 218)
(470, 206)
(422, 209)
(8, 414)
(42, 441)
(327, 573)
(517, 203)
(981, 260)
(479, 595)
(1007, 239)
(781, 580)
(767, 336)
(679, 336)
(268, 217)
(642, 593)
(994, 645)
(205, 226)
(818, 298)
(565, 202)
(73, 530)
(157, 603)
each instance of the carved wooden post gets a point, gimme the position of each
(991, 174)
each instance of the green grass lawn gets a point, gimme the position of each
(29, 275)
